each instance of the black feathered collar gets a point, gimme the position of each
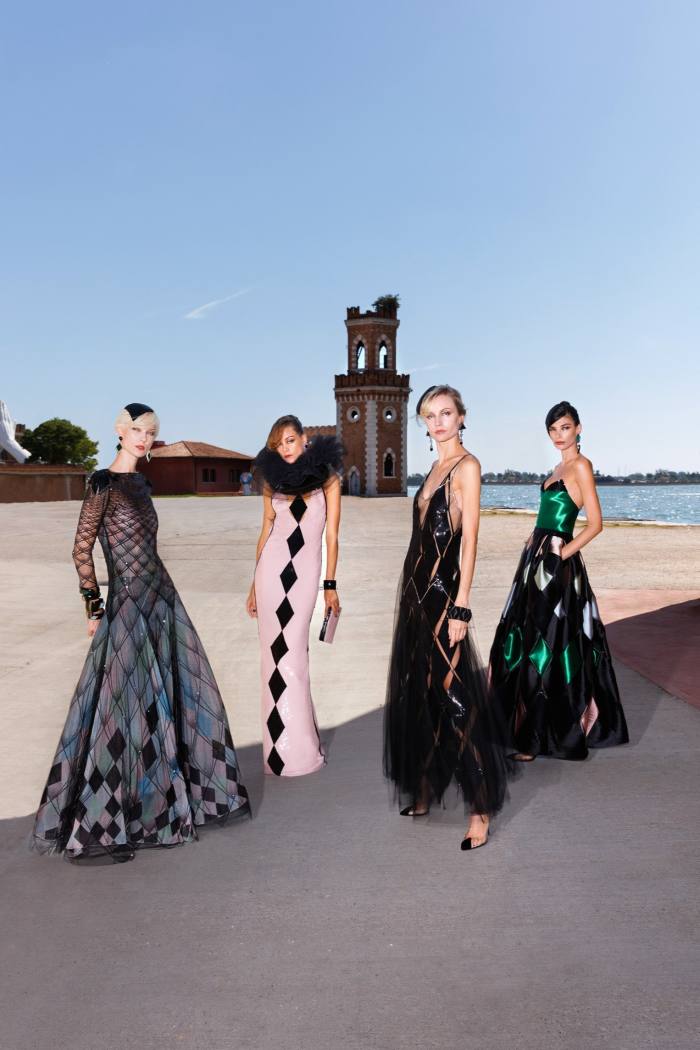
(323, 458)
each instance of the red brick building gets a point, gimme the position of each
(372, 405)
(195, 468)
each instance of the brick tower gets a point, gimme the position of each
(372, 404)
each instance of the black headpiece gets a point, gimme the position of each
(136, 409)
(322, 458)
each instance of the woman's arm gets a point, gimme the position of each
(583, 479)
(267, 523)
(91, 515)
(467, 484)
(331, 491)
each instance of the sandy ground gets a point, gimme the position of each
(327, 921)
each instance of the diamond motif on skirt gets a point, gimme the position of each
(288, 577)
(277, 685)
(116, 745)
(284, 613)
(279, 648)
(275, 725)
(275, 762)
(295, 542)
(542, 577)
(298, 508)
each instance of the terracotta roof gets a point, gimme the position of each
(196, 450)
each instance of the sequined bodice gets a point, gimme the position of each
(557, 512)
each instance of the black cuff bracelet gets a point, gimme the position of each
(459, 612)
(94, 608)
(329, 585)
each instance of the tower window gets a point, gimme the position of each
(360, 357)
(389, 465)
(383, 356)
(353, 414)
(389, 414)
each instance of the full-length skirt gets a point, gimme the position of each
(551, 667)
(146, 755)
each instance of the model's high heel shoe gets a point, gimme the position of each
(468, 841)
(410, 811)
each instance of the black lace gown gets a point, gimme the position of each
(440, 726)
(146, 755)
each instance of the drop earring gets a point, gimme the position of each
(148, 456)
(119, 445)
(430, 439)
(461, 440)
(578, 442)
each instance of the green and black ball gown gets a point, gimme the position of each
(551, 668)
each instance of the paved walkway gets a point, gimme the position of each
(328, 922)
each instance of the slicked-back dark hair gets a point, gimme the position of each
(558, 411)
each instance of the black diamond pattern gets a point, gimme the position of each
(298, 508)
(146, 722)
(275, 762)
(277, 685)
(275, 725)
(284, 613)
(295, 542)
(288, 577)
(279, 648)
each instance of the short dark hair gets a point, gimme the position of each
(558, 411)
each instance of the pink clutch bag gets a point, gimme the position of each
(330, 622)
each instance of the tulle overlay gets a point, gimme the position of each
(440, 724)
(550, 662)
(146, 755)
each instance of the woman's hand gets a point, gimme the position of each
(251, 603)
(92, 626)
(456, 631)
(563, 553)
(332, 601)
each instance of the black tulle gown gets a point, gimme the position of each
(551, 668)
(146, 755)
(440, 726)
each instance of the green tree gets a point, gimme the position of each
(60, 441)
(387, 305)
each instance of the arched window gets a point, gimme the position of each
(389, 465)
(383, 356)
(360, 357)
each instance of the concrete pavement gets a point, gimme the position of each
(327, 921)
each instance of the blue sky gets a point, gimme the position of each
(525, 175)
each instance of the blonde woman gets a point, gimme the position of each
(146, 755)
(440, 724)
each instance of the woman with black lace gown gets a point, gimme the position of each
(440, 726)
(146, 755)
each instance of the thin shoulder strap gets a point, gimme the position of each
(451, 472)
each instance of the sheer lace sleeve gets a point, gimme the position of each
(91, 514)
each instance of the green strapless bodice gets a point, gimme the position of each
(558, 512)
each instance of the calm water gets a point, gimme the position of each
(677, 504)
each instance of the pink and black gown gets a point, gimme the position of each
(440, 725)
(286, 588)
(146, 755)
(551, 668)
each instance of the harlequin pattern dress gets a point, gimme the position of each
(146, 755)
(440, 725)
(286, 588)
(550, 663)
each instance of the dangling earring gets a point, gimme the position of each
(578, 442)
(430, 439)
(119, 445)
(461, 440)
(148, 456)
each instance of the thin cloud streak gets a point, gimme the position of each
(424, 368)
(201, 311)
